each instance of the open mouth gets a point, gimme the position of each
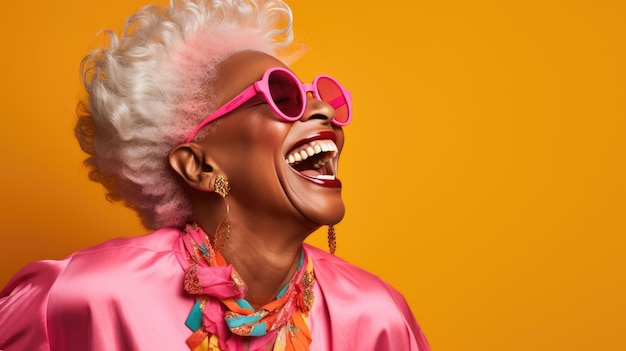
(315, 160)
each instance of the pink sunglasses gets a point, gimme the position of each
(286, 95)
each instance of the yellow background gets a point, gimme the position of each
(483, 173)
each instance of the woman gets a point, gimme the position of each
(194, 121)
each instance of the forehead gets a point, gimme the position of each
(241, 69)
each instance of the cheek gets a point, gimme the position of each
(256, 130)
(261, 124)
(260, 145)
(250, 143)
(269, 136)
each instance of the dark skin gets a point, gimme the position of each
(273, 209)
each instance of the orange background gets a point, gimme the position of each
(484, 171)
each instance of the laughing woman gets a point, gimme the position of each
(193, 120)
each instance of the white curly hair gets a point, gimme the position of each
(150, 86)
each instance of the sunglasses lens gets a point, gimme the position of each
(331, 93)
(286, 95)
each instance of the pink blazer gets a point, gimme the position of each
(127, 294)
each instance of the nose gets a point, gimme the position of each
(317, 109)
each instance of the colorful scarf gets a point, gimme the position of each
(222, 319)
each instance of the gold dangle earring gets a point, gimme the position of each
(332, 239)
(222, 233)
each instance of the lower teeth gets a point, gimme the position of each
(325, 177)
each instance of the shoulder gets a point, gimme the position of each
(354, 297)
(330, 269)
(67, 292)
(118, 265)
(37, 278)
(27, 294)
(116, 259)
(158, 241)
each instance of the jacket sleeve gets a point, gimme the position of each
(23, 307)
(400, 330)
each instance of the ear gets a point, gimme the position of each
(192, 163)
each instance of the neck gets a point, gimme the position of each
(264, 270)
(266, 254)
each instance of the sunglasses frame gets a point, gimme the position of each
(262, 87)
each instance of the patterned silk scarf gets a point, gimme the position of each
(222, 319)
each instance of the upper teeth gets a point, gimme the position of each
(313, 148)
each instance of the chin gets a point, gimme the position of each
(330, 214)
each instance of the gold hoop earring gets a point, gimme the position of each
(332, 240)
(222, 232)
